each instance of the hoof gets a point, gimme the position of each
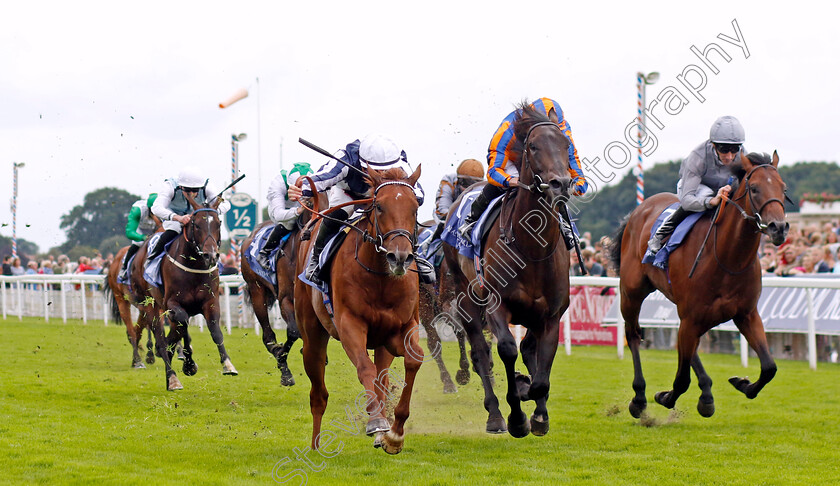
(190, 368)
(138, 365)
(286, 379)
(174, 384)
(706, 409)
(523, 386)
(462, 377)
(637, 408)
(662, 399)
(742, 385)
(392, 443)
(375, 425)
(150, 358)
(228, 369)
(519, 426)
(539, 425)
(377, 441)
(496, 425)
(448, 386)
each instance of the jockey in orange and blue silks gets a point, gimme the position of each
(501, 171)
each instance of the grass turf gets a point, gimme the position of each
(73, 411)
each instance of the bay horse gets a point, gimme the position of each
(526, 277)
(190, 274)
(262, 295)
(431, 309)
(725, 284)
(375, 298)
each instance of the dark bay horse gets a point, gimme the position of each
(725, 285)
(375, 294)
(431, 309)
(526, 277)
(262, 295)
(190, 287)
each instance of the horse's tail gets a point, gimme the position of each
(111, 297)
(614, 248)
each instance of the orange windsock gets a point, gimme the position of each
(241, 94)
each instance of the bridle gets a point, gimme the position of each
(755, 217)
(189, 237)
(537, 186)
(379, 237)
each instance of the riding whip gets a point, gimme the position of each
(325, 153)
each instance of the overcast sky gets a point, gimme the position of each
(96, 94)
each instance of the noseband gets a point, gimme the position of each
(755, 217)
(378, 239)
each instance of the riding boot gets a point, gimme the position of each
(667, 227)
(569, 237)
(277, 234)
(426, 270)
(480, 203)
(128, 254)
(328, 228)
(165, 238)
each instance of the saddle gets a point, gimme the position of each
(472, 248)
(660, 259)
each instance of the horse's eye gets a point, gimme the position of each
(532, 147)
(754, 189)
(378, 207)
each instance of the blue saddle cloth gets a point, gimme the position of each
(660, 259)
(472, 248)
(432, 252)
(257, 244)
(152, 272)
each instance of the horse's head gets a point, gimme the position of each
(203, 233)
(760, 182)
(542, 150)
(393, 213)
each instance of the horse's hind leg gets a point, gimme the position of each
(518, 425)
(315, 342)
(287, 308)
(706, 403)
(172, 382)
(480, 356)
(753, 329)
(630, 308)
(150, 348)
(211, 315)
(189, 367)
(428, 319)
(687, 341)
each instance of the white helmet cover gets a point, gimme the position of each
(379, 152)
(727, 129)
(190, 177)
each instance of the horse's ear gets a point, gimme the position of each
(374, 177)
(552, 115)
(191, 200)
(745, 163)
(775, 161)
(217, 201)
(416, 175)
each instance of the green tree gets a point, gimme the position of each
(113, 244)
(102, 215)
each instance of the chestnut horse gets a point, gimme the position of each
(725, 284)
(375, 294)
(262, 295)
(526, 278)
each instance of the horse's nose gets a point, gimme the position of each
(399, 261)
(778, 232)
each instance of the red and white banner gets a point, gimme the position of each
(587, 308)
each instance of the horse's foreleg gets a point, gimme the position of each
(189, 367)
(517, 423)
(753, 329)
(287, 309)
(355, 345)
(260, 304)
(409, 347)
(134, 332)
(687, 341)
(211, 315)
(150, 353)
(538, 354)
(315, 340)
(172, 382)
(706, 403)
(434, 344)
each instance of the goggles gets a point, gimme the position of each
(728, 148)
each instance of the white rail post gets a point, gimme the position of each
(228, 321)
(64, 301)
(3, 292)
(46, 296)
(567, 332)
(84, 302)
(619, 329)
(812, 331)
(19, 288)
(745, 351)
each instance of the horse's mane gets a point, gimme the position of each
(738, 171)
(525, 118)
(393, 174)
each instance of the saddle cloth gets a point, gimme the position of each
(472, 248)
(660, 259)
(257, 244)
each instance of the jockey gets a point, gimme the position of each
(375, 152)
(501, 174)
(173, 208)
(141, 224)
(704, 175)
(281, 210)
(451, 186)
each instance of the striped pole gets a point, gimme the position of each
(234, 162)
(16, 166)
(640, 175)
